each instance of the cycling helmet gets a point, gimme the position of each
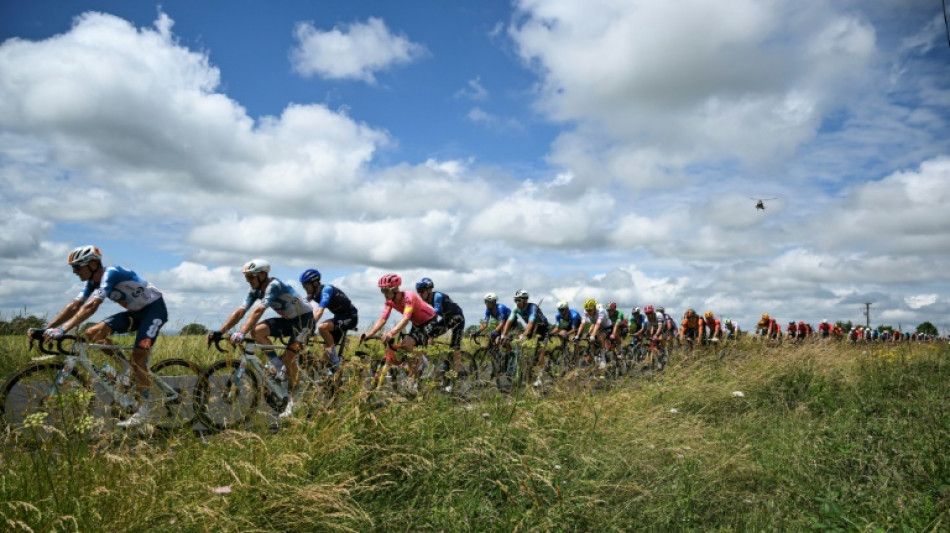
(590, 304)
(425, 283)
(791, 322)
(648, 309)
(491, 298)
(825, 321)
(661, 309)
(256, 265)
(521, 295)
(310, 275)
(689, 313)
(390, 281)
(562, 305)
(82, 255)
(728, 320)
(636, 310)
(765, 316)
(612, 306)
(709, 314)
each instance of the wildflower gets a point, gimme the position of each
(738, 394)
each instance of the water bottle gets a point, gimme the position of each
(126, 378)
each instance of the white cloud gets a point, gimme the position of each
(355, 51)
(473, 90)
(920, 300)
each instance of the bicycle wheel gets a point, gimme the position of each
(222, 402)
(175, 395)
(34, 410)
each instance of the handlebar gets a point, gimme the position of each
(36, 336)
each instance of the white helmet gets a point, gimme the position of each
(491, 298)
(84, 254)
(256, 265)
(562, 305)
(521, 295)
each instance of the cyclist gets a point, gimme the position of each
(295, 320)
(535, 323)
(621, 326)
(494, 311)
(567, 321)
(710, 326)
(824, 329)
(637, 320)
(731, 329)
(449, 317)
(414, 310)
(689, 331)
(595, 316)
(652, 327)
(791, 331)
(345, 316)
(145, 313)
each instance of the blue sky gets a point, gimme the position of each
(604, 149)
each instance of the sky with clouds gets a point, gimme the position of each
(598, 148)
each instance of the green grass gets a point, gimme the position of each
(825, 438)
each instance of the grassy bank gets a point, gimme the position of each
(830, 438)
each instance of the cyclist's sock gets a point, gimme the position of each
(334, 358)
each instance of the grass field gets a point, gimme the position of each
(823, 438)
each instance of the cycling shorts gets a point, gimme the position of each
(342, 324)
(146, 322)
(298, 328)
(455, 323)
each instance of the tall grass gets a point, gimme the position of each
(823, 437)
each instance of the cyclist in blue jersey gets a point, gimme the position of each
(295, 320)
(449, 317)
(494, 311)
(535, 322)
(145, 313)
(567, 322)
(321, 298)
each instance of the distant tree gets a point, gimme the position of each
(927, 329)
(845, 326)
(194, 329)
(19, 324)
(882, 328)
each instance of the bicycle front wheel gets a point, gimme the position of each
(175, 392)
(224, 402)
(43, 402)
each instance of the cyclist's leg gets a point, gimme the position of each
(457, 326)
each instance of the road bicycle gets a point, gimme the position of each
(64, 392)
(231, 389)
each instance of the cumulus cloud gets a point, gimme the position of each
(355, 51)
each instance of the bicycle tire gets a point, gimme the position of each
(183, 377)
(222, 404)
(30, 415)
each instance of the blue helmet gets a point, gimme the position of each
(424, 283)
(310, 275)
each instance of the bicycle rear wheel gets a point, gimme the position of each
(175, 407)
(35, 410)
(223, 402)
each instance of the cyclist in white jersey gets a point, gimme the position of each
(295, 320)
(145, 313)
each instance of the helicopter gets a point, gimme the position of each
(760, 202)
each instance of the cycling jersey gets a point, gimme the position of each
(572, 320)
(691, 323)
(122, 286)
(501, 313)
(599, 318)
(444, 306)
(618, 317)
(335, 300)
(530, 313)
(412, 306)
(280, 297)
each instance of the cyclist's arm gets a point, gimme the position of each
(235, 317)
(64, 315)
(252, 319)
(401, 325)
(318, 314)
(87, 310)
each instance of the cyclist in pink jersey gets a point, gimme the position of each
(414, 310)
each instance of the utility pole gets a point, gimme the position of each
(867, 314)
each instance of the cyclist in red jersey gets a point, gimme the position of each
(710, 326)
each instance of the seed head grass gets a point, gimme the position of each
(823, 436)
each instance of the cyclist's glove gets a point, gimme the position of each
(237, 337)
